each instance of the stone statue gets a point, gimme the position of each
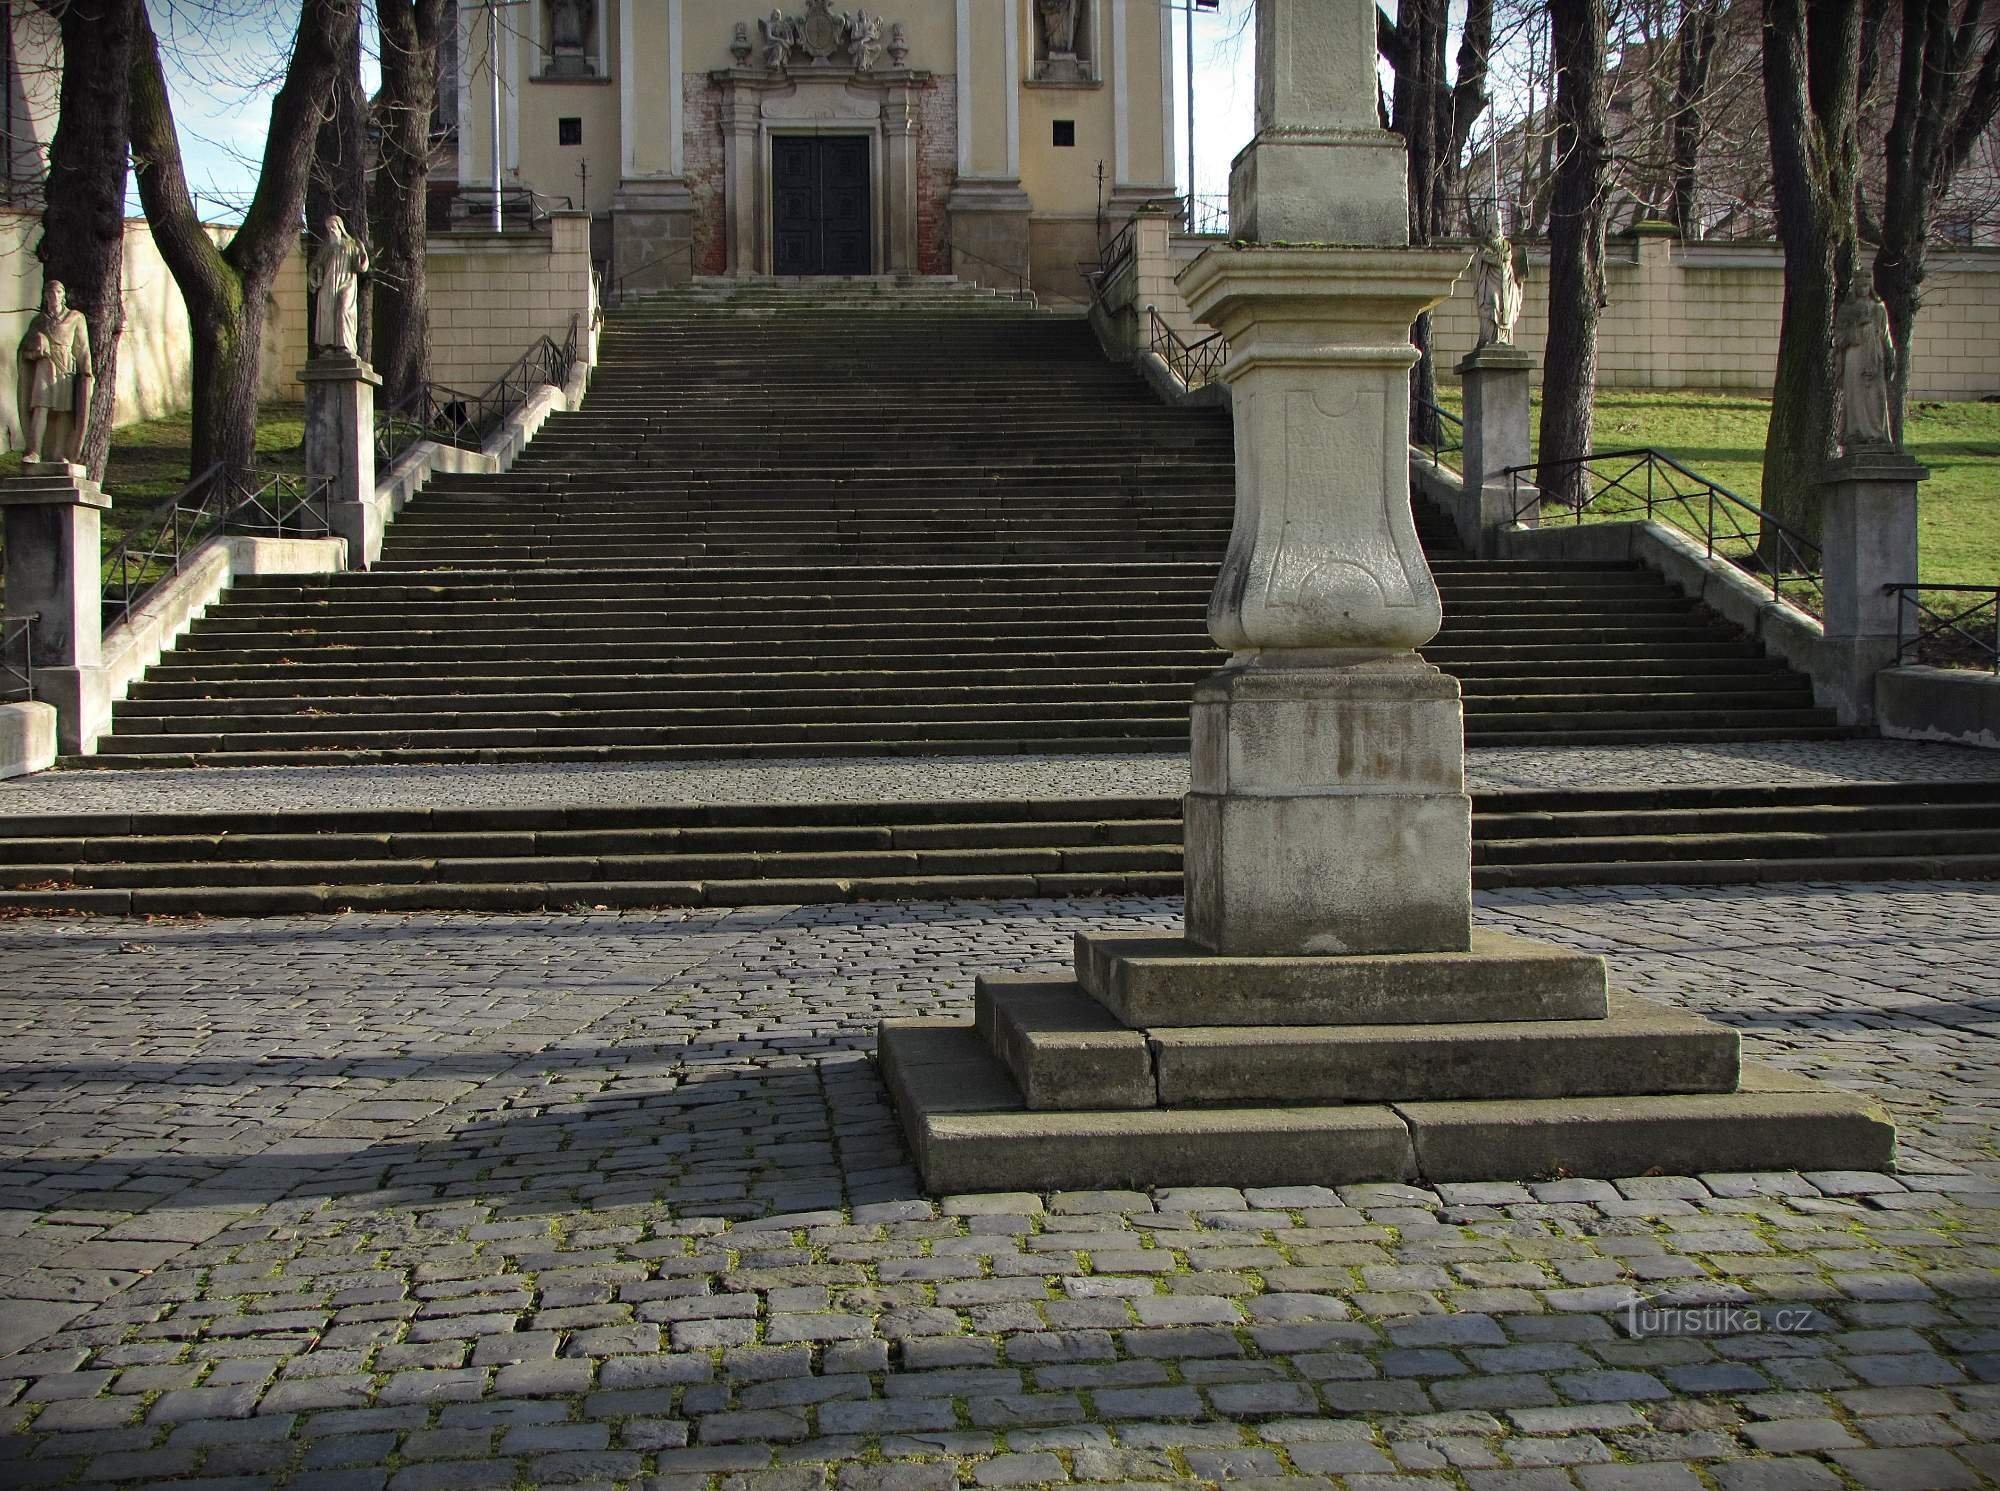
(56, 376)
(1059, 25)
(567, 27)
(566, 23)
(1498, 290)
(1867, 364)
(739, 44)
(864, 40)
(334, 277)
(780, 36)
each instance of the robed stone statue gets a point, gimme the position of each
(56, 378)
(334, 277)
(1867, 369)
(1059, 25)
(1498, 290)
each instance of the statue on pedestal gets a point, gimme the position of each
(1498, 291)
(567, 27)
(1867, 365)
(334, 277)
(55, 376)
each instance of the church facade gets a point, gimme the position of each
(995, 139)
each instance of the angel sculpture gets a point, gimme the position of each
(780, 36)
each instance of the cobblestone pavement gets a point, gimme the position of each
(616, 1200)
(917, 779)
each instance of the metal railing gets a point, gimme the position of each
(1207, 216)
(472, 208)
(1116, 254)
(1194, 363)
(17, 658)
(1623, 484)
(222, 500)
(1437, 432)
(452, 416)
(1965, 637)
(1022, 291)
(611, 289)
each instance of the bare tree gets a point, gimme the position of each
(412, 31)
(1694, 67)
(228, 289)
(1577, 206)
(83, 220)
(337, 185)
(1435, 117)
(1947, 95)
(1812, 52)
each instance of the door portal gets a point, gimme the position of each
(819, 204)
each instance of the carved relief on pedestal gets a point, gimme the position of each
(825, 37)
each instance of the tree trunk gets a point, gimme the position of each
(83, 222)
(1695, 55)
(412, 31)
(1811, 57)
(1947, 95)
(338, 184)
(1576, 245)
(227, 290)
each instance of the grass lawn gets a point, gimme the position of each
(1721, 435)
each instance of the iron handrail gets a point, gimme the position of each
(1429, 432)
(1925, 634)
(534, 206)
(612, 286)
(1651, 481)
(1194, 363)
(1022, 291)
(1117, 253)
(221, 500)
(452, 416)
(17, 680)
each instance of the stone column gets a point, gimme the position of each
(55, 574)
(1496, 436)
(340, 447)
(899, 182)
(1328, 811)
(1868, 539)
(742, 110)
(1331, 1015)
(1320, 169)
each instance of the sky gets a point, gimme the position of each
(223, 55)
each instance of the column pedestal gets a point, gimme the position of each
(1868, 539)
(340, 447)
(652, 229)
(52, 521)
(1331, 1015)
(1496, 382)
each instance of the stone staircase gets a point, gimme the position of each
(529, 859)
(864, 518)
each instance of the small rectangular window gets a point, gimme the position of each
(1065, 132)
(569, 131)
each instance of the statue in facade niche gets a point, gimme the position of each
(56, 377)
(567, 36)
(334, 277)
(1059, 25)
(1867, 368)
(1498, 291)
(864, 40)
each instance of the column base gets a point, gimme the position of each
(1161, 1065)
(1321, 186)
(652, 236)
(990, 243)
(82, 701)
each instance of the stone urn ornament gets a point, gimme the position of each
(899, 45)
(739, 44)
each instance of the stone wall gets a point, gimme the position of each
(1706, 315)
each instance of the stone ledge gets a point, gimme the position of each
(1156, 981)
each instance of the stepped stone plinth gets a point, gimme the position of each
(1330, 1016)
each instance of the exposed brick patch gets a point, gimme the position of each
(701, 158)
(937, 171)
